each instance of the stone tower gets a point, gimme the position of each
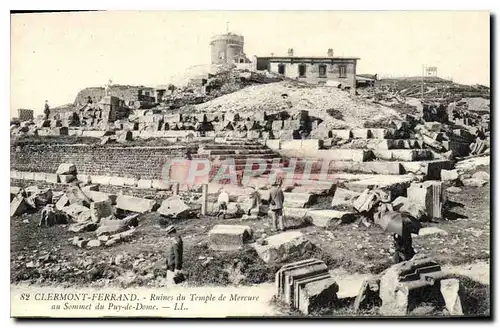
(227, 49)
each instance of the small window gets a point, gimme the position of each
(322, 70)
(242, 60)
(342, 71)
(221, 55)
(302, 70)
(281, 69)
(147, 93)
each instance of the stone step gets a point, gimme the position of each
(382, 144)
(430, 169)
(354, 155)
(395, 184)
(231, 146)
(407, 155)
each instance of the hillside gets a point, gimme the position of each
(293, 96)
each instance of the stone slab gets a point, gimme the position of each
(135, 204)
(229, 237)
(283, 246)
(326, 218)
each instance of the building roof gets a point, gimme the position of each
(306, 57)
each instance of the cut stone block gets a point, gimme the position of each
(62, 202)
(111, 226)
(281, 284)
(94, 243)
(100, 209)
(430, 169)
(174, 207)
(52, 178)
(451, 291)
(134, 204)
(28, 175)
(449, 175)
(316, 293)
(283, 246)
(396, 184)
(40, 176)
(379, 133)
(66, 178)
(408, 155)
(429, 194)
(85, 178)
(144, 184)
(160, 185)
(344, 197)
(326, 218)
(66, 168)
(83, 227)
(360, 133)
(229, 237)
(74, 210)
(18, 206)
(99, 196)
(299, 200)
(100, 179)
(341, 134)
(397, 281)
(296, 213)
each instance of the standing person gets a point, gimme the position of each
(174, 255)
(46, 109)
(222, 201)
(276, 200)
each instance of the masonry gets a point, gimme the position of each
(129, 162)
(312, 69)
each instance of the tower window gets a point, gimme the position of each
(221, 55)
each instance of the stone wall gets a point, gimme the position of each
(128, 93)
(130, 162)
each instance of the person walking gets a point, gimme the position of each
(276, 200)
(174, 255)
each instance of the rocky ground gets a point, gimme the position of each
(46, 256)
(293, 96)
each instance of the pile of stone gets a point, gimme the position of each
(406, 285)
(306, 286)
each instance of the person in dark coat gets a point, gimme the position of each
(174, 255)
(403, 245)
(46, 109)
(276, 201)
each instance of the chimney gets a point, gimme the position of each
(330, 52)
(290, 52)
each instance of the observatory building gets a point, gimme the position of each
(228, 49)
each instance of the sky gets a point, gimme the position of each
(54, 55)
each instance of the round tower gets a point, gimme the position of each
(225, 47)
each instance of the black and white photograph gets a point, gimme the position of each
(250, 164)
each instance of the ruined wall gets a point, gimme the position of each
(126, 92)
(131, 162)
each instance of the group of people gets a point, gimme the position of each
(276, 200)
